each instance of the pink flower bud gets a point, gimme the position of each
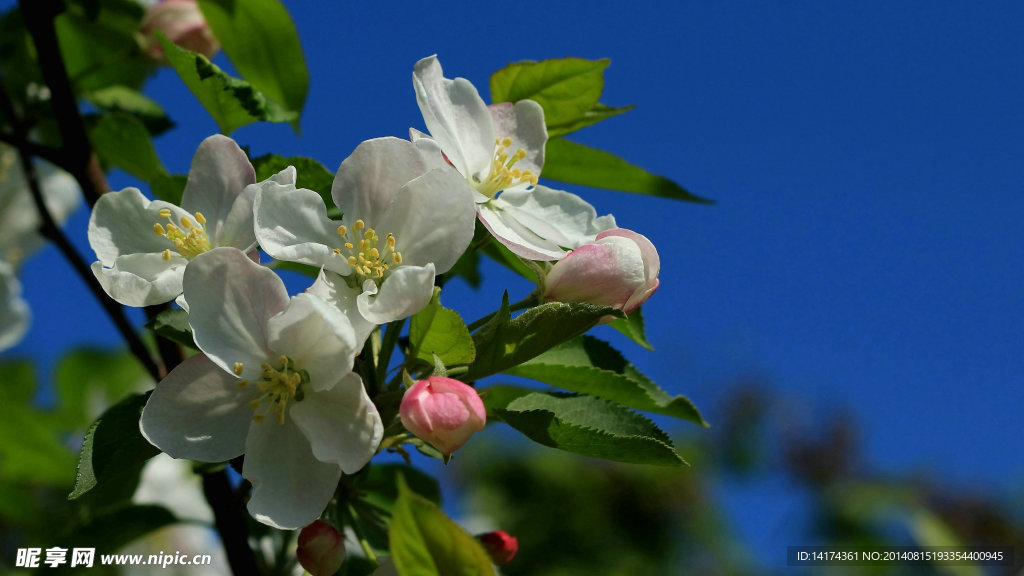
(183, 23)
(442, 411)
(500, 545)
(619, 269)
(321, 549)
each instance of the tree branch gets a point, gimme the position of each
(229, 517)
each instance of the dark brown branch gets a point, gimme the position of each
(49, 228)
(230, 519)
(80, 161)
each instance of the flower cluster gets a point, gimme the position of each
(19, 236)
(276, 378)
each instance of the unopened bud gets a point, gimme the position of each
(443, 412)
(183, 23)
(500, 545)
(321, 549)
(619, 269)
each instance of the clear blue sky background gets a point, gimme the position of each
(866, 249)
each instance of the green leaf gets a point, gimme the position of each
(122, 140)
(589, 366)
(101, 50)
(598, 113)
(173, 325)
(128, 101)
(260, 39)
(633, 327)
(113, 446)
(583, 425)
(504, 342)
(169, 187)
(578, 164)
(311, 175)
(565, 87)
(441, 331)
(425, 542)
(231, 102)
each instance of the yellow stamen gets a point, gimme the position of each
(200, 218)
(238, 368)
(166, 255)
(165, 212)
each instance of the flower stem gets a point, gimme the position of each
(229, 518)
(363, 542)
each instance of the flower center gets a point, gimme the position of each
(278, 386)
(503, 173)
(364, 256)
(190, 242)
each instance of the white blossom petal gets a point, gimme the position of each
(14, 312)
(341, 424)
(220, 171)
(432, 218)
(406, 291)
(290, 487)
(230, 300)
(292, 225)
(317, 336)
(376, 170)
(19, 219)
(122, 223)
(516, 237)
(456, 117)
(199, 412)
(523, 123)
(142, 279)
(332, 289)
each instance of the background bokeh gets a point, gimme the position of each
(863, 263)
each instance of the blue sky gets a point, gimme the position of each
(865, 251)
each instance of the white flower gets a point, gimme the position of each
(500, 148)
(274, 382)
(14, 313)
(143, 246)
(407, 216)
(19, 233)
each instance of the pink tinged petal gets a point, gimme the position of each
(432, 217)
(199, 412)
(620, 269)
(317, 336)
(220, 171)
(14, 312)
(341, 424)
(598, 274)
(555, 215)
(376, 170)
(403, 293)
(290, 486)
(142, 279)
(230, 301)
(122, 223)
(523, 123)
(442, 411)
(332, 289)
(514, 236)
(456, 117)
(292, 225)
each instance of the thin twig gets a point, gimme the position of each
(229, 517)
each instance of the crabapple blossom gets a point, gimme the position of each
(499, 149)
(144, 246)
(619, 269)
(443, 412)
(407, 217)
(274, 381)
(500, 545)
(321, 549)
